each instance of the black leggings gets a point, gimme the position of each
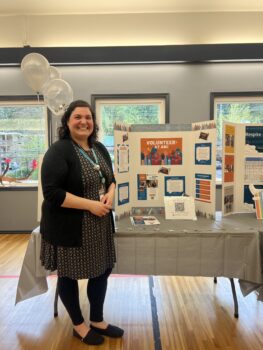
(68, 290)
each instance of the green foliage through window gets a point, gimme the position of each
(127, 113)
(22, 138)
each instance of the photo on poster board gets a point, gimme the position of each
(147, 187)
(122, 158)
(174, 185)
(229, 139)
(179, 207)
(203, 153)
(228, 199)
(229, 168)
(161, 151)
(203, 187)
(141, 187)
(204, 135)
(123, 193)
(164, 170)
(125, 137)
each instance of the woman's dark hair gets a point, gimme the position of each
(63, 130)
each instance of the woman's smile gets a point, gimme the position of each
(80, 123)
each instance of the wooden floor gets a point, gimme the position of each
(193, 313)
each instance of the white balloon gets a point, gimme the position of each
(35, 69)
(54, 73)
(58, 94)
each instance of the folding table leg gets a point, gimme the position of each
(233, 288)
(234, 297)
(56, 302)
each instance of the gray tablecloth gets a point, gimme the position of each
(32, 280)
(228, 247)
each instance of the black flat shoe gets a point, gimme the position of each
(91, 338)
(110, 331)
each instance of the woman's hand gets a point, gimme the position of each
(99, 208)
(109, 196)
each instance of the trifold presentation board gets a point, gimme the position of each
(157, 161)
(242, 164)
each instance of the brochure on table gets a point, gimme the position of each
(151, 165)
(242, 165)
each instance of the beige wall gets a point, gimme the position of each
(131, 29)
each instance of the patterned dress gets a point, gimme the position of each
(97, 252)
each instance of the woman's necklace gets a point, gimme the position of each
(95, 164)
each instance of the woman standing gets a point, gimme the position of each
(77, 224)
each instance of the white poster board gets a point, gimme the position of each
(242, 165)
(151, 165)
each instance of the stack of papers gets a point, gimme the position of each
(144, 220)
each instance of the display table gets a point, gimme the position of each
(226, 247)
(229, 247)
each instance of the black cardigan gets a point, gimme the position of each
(60, 173)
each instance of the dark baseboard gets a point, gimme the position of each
(15, 232)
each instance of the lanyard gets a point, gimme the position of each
(95, 164)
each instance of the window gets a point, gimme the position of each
(236, 107)
(23, 137)
(129, 109)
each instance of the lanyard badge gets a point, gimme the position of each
(101, 191)
(96, 167)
